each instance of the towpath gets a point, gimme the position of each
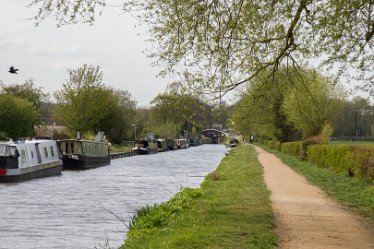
(305, 217)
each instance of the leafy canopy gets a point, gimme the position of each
(217, 45)
(17, 116)
(87, 105)
(294, 106)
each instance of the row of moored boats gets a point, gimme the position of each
(27, 159)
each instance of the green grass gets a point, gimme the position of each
(231, 209)
(349, 191)
(121, 148)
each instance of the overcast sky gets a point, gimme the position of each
(45, 53)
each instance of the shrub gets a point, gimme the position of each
(292, 148)
(356, 159)
(273, 144)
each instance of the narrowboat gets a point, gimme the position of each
(145, 147)
(162, 145)
(234, 142)
(182, 143)
(80, 154)
(171, 144)
(27, 159)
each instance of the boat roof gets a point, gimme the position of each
(79, 140)
(26, 141)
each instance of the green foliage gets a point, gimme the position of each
(26, 91)
(17, 116)
(228, 211)
(342, 158)
(149, 218)
(296, 104)
(260, 109)
(355, 120)
(311, 104)
(87, 105)
(292, 148)
(219, 45)
(179, 111)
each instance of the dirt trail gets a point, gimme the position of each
(305, 217)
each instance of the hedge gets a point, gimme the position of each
(292, 148)
(357, 160)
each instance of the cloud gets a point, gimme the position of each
(71, 63)
(56, 49)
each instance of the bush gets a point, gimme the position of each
(273, 144)
(292, 148)
(356, 159)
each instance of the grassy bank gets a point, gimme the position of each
(230, 210)
(349, 191)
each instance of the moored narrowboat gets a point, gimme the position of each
(80, 154)
(162, 145)
(144, 147)
(28, 159)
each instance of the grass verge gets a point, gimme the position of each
(349, 191)
(231, 209)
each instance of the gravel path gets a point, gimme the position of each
(305, 217)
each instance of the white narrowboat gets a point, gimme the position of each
(28, 159)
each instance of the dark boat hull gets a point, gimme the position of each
(51, 171)
(84, 162)
(146, 151)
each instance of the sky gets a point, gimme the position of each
(45, 53)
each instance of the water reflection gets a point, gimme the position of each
(82, 209)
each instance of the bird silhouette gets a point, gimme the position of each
(13, 70)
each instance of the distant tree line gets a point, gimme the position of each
(355, 119)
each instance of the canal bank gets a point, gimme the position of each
(231, 209)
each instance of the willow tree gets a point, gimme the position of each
(310, 107)
(218, 45)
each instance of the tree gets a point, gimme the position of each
(119, 125)
(87, 105)
(287, 106)
(218, 45)
(26, 91)
(355, 120)
(182, 110)
(310, 106)
(17, 116)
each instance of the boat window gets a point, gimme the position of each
(23, 154)
(12, 150)
(32, 154)
(3, 150)
(66, 148)
(52, 151)
(46, 152)
(72, 147)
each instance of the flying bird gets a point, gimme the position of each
(13, 70)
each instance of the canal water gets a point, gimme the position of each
(87, 209)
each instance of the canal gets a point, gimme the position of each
(87, 209)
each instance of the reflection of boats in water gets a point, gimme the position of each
(83, 154)
(144, 147)
(28, 159)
